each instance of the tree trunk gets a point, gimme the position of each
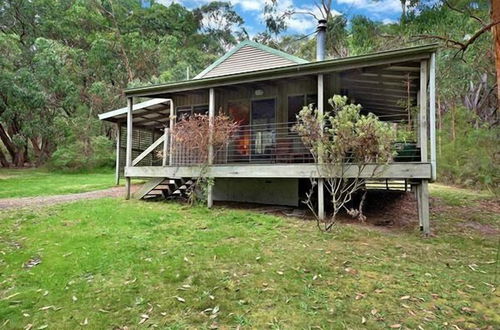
(3, 160)
(11, 148)
(495, 17)
(17, 154)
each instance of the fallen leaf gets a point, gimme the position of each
(351, 271)
(32, 262)
(468, 310)
(85, 322)
(395, 326)
(359, 296)
(45, 326)
(74, 298)
(404, 298)
(279, 272)
(144, 318)
(182, 300)
(28, 326)
(363, 320)
(11, 296)
(47, 307)
(374, 311)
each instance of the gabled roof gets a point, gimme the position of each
(249, 56)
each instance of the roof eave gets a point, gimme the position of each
(413, 53)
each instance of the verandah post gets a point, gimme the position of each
(118, 152)
(171, 127)
(321, 181)
(165, 145)
(211, 115)
(128, 162)
(432, 114)
(423, 190)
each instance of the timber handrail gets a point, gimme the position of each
(146, 152)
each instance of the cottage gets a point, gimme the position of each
(263, 89)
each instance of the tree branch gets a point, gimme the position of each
(464, 12)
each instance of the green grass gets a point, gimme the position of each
(112, 262)
(36, 182)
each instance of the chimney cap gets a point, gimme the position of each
(322, 23)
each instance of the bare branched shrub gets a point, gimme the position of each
(191, 136)
(342, 143)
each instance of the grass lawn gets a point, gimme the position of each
(37, 182)
(110, 263)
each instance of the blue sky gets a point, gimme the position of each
(386, 11)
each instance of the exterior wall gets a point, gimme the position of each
(262, 191)
(279, 90)
(246, 59)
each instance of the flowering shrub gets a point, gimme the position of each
(191, 137)
(192, 134)
(340, 140)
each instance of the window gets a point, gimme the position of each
(296, 102)
(188, 110)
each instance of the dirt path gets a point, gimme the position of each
(21, 202)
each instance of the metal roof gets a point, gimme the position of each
(253, 44)
(340, 64)
(148, 114)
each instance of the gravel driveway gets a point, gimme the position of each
(21, 202)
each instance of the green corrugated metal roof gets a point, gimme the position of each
(399, 55)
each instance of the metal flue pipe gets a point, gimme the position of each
(321, 40)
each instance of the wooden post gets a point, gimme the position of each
(211, 115)
(321, 181)
(118, 149)
(423, 123)
(128, 162)
(423, 207)
(432, 114)
(171, 124)
(423, 189)
(165, 146)
(419, 204)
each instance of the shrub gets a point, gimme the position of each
(349, 140)
(468, 154)
(79, 155)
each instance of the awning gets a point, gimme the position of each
(150, 114)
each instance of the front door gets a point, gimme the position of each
(263, 121)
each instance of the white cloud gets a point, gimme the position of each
(374, 6)
(387, 21)
(249, 5)
(300, 22)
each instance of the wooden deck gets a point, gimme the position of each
(389, 171)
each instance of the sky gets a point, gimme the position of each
(386, 11)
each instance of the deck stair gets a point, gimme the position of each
(167, 188)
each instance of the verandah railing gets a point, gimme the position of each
(267, 143)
